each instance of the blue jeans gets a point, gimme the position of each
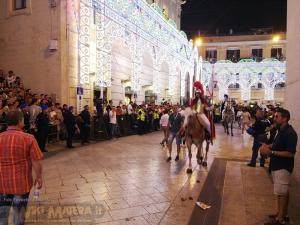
(18, 203)
(255, 151)
(112, 130)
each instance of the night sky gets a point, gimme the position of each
(206, 16)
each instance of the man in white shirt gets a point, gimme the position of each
(239, 116)
(34, 111)
(129, 108)
(11, 78)
(113, 121)
(164, 120)
(246, 118)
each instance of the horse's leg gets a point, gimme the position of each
(232, 128)
(188, 142)
(199, 153)
(227, 127)
(206, 153)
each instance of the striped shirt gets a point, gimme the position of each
(17, 151)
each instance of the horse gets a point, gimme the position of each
(195, 134)
(228, 119)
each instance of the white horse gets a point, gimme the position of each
(228, 117)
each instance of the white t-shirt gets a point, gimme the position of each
(112, 117)
(164, 120)
(239, 113)
(129, 109)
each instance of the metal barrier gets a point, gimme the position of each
(53, 135)
(100, 129)
(3, 127)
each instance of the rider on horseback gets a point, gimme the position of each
(201, 105)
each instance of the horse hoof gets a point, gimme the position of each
(199, 162)
(204, 164)
(189, 171)
(232, 135)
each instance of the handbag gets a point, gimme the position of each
(250, 131)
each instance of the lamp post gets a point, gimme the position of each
(199, 42)
(275, 40)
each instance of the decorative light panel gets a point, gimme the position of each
(246, 73)
(138, 24)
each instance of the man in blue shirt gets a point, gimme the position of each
(175, 123)
(282, 152)
(259, 128)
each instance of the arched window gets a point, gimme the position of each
(257, 86)
(280, 85)
(234, 86)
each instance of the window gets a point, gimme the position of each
(234, 86)
(257, 86)
(19, 4)
(233, 55)
(280, 85)
(18, 7)
(276, 53)
(257, 54)
(211, 56)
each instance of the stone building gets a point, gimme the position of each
(291, 93)
(261, 56)
(79, 50)
(237, 47)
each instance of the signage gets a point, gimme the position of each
(79, 99)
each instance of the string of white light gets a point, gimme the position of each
(140, 26)
(246, 73)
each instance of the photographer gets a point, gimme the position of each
(258, 131)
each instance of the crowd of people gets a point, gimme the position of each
(22, 111)
(48, 120)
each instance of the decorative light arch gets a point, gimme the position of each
(246, 73)
(139, 25)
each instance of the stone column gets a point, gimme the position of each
(293, 66)
(292, 94)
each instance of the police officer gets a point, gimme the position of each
(141, 118)
(156, 120)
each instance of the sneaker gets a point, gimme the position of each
(251, 165)
(274, 217)
(276, 222)
(169, 159)
(177, 158)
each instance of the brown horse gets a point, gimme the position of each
(195, 134)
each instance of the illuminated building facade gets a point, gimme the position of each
(247, 67)
(119, 50)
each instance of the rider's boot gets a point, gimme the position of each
(208, 137)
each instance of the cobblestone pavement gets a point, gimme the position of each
(128, 181)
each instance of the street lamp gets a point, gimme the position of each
(276, 39)
(199, 42)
